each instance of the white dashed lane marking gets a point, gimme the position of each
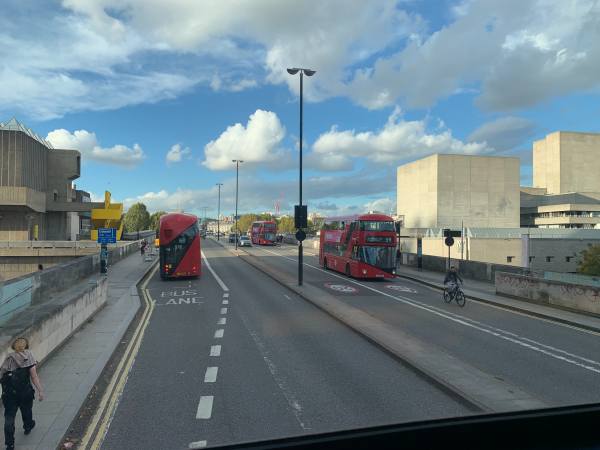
(215, 350)
(219, 333)
(197, 444)
(226, 302)
(211, 374)
(222, 321)
(223, 310)
(205, 407)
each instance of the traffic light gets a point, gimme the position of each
(300, 216)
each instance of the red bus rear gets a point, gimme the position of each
(264, 232)
(179, 239)
(362, 246)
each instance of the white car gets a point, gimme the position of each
(245, 241)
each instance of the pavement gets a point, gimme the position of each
(486, 292)
(554, 362)
(235, 357)
(71, 371)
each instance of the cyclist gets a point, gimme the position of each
(451, 280)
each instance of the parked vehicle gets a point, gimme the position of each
(232, 238)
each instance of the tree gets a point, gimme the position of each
(137, 218)
(155, 219)
(590, 261)
(286, 225)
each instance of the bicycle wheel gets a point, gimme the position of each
(447, 296)
(460, 298)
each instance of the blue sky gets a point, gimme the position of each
(159, 100)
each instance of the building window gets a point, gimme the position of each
(55, 196)
(568, 258)
(531, 258)
(509, 259)
(549, 258)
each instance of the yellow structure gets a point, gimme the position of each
(107, 217)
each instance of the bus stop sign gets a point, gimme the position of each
(300, 235)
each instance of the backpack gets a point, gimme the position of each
(17, 383)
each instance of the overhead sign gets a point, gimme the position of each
(107, 235)
(452, 233)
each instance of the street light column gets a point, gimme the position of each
(219, 213)
(308, 73)
(237, 172)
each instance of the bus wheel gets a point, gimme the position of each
(325, 264)
(348, 270)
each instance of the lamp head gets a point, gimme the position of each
(293, 71)
(308, 72)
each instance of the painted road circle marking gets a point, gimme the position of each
(401, 288)
(342, 288)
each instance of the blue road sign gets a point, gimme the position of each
(107, 235)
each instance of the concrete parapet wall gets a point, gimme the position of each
(474, 270)
(576, 297)
(48, 327)
(40, 287)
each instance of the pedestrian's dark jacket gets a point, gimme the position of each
(14, 375)
(452, 277)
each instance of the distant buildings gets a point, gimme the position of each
(37, 200)
(544, 227)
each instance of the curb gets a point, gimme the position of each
(510, 307)
(378, 333)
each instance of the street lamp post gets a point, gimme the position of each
(308, 73)
(237, 173)
(219, 213)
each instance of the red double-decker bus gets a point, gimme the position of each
(179, 246)
(362, 246)
(263, 232)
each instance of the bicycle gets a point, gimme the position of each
(455, 293)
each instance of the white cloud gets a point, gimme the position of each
(88, 145)
(257, 142)
(258, 194)
(177, 153)
(398, 140)
(520, 53)
(383, 205)
(505, 133)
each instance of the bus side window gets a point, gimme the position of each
(355, 252)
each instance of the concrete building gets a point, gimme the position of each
(36, 194)
(539, 249)
(566, 161)
(566, 182)
(449, 190)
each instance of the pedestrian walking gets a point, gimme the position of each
(143, 247)
(17, 373)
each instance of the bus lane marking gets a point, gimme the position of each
(570, 358)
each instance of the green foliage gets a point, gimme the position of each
(286, 225)
(590, 261)
(245, 221)
(137, 218)
(154, 219)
